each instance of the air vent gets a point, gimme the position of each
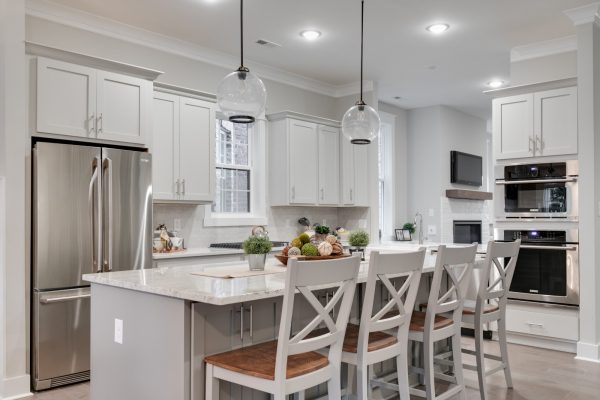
(267, 43)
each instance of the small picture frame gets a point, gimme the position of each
(403, 235)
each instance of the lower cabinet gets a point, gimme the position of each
(549, 322)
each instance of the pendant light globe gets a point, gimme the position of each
(361, 122)
(242, 96)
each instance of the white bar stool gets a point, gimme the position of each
(384, 336)
(430, 327)
(292, 363)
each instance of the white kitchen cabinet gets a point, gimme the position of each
(84, 102)
(555, 122)
(183, 148)
(329, 165)
(355, 174)
(536, 124)
(303, 162)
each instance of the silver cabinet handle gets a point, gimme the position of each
(531, 144)
(177, 185)
(100, 123)
(65, 298)
(109, 175)
(242, 323)
(538, 139)
(351, 194)
(183, 187)
(91, 124)
(535, 324)
(251, 322)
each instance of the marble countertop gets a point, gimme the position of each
(178, 282)
(201, 252)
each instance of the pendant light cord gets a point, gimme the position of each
(242, 34)
(362, 23)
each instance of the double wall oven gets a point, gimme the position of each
(538, 204)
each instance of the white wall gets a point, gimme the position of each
(432, 133)
(544, 69)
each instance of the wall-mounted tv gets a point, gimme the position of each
(465, 169)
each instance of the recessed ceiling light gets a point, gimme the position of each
(310, 34)
(496, 83)
(397, 97)
(438, 28)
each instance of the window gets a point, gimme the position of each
(240, 175)
(234, 170)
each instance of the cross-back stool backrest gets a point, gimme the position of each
(501, 260)
(306, 277)
(382, 267)
(457, 263)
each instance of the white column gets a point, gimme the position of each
(588, 81)
(14, 139)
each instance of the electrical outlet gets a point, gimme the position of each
(118, 331)
(177, 224)
(431, 230)
(431, 212)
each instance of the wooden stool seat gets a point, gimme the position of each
(377, 340)
(259, 361)
(417, 322)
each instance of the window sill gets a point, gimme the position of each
(234, 220)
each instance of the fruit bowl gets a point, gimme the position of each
(284, 259)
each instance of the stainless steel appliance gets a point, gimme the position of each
(546, 190)
(92, 212)
(548, 266)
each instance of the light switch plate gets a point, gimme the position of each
(431, 212)
(431, 230)
(118, 331)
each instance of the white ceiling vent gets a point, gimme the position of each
(267, 43)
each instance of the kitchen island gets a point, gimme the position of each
(151, 329)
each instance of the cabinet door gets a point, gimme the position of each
(513, 127)
(165, 141)
(555, 121)
(197, 150)
(360, 196)
(123, 107)
(329, 165)
(303, 162)
(348, 181)
(66, 98)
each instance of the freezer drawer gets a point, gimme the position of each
(61, 337)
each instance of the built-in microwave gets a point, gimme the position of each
(547, 190)
(547, 268)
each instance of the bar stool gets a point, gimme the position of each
(494, 285)
(430, 327)
(384, 336)
(292, 363)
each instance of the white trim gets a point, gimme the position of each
(303, 117)
(2, 283)
(16, 387)
(106, 27)
(588, 352)
(585, 14)
(390, 166)
(543, 49)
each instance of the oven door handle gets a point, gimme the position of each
(524, 181)
(564, 248)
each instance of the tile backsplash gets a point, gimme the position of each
(283, 222)
(465, 210)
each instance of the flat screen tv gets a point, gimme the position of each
(465, 169)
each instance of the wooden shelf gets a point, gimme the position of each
(468, 194)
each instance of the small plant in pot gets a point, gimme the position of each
(411, 228)
(321, 232)
(257, 249)
(358, 241)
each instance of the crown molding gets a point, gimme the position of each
(542, 49)
(585, 14)
(353, 88)
(106, 27)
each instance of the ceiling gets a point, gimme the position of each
(401, 56)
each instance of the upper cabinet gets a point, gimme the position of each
(183, 148)
(536, 124)
(84, 102)
(310, 163)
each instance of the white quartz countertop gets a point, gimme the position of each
(201, 252)
(178, 282)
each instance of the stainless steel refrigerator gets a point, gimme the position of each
(92, 212)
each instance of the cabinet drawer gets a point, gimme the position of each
(560, 323)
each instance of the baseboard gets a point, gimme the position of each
(588, 352)
(566, 346)
(16, 388)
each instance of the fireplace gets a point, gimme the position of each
(467, 232)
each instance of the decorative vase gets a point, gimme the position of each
(256, 262)
(358, 250)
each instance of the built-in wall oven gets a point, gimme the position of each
(547, 190)
(548, 265)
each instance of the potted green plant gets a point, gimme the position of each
(321, 232)
(257, 249)
(410, 228)
(358, 240)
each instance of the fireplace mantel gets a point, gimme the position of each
(468, 194)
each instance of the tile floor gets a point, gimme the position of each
(537, 375)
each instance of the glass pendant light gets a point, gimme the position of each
(361, 122)
(241, 95)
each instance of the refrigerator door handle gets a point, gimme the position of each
(108, 167)
(51, 300)
(96, 216)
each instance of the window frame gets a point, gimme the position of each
(386, 177)
(257, 151)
